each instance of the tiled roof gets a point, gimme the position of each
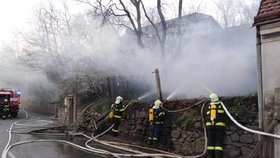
(268, 10)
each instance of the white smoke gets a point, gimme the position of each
(225, 64)
(224, 61)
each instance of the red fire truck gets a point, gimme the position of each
(9, 97)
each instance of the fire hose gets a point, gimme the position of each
(80, 116)
(100, 151)
(166, 154)
(248, 129)
(232, 119)
(91, 149)
(8, 147)
(184, 109)
(10, 135)
(138, 153)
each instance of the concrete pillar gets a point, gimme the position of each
(70, 110)
(71, 106)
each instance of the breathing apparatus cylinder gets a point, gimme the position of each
(213, 112)
(151, 114)
(111, 114)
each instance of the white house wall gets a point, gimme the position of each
(270, 52)
(270, 37)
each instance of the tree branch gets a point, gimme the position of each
(152, 23)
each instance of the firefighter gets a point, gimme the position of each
(116, 114)
(6, 110)
(215, 125)
(151, 119)
(156, 121)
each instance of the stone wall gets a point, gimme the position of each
(183, 132)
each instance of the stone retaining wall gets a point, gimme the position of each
(183, 132)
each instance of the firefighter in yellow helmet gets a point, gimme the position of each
(117, 109)
(156, 118)
(215, 125)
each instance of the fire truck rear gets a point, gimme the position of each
(9, 98)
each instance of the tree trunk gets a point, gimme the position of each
(164, 28)
(179, 33)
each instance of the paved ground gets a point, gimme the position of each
(4, 125)
(47, 149)
(38, 149)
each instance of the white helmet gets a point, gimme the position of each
(119, 99)
(213, 97)
(157, 104)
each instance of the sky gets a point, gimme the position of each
(16, 14)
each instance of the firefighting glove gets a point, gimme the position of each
(212, 121)
(151, 124)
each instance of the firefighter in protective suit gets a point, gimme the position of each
(116, 114)
(156, 118)
(6, 110)
(215, 125)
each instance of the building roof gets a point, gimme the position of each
(268, 10)
(195, 22)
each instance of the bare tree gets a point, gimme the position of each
(129, 14)
(248, 11)
(118, 9)
(137, 28)
(161, 34)
(67, 17)
(225, 11)
(235, 12)
(180, 34)
(164, 27)
(41, 48)
(180, 9)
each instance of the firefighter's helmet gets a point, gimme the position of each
(213, 97)
(119, 99)
(157, 104)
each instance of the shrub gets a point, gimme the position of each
(238, 112)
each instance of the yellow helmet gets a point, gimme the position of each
(213, 97)
(158, 103)
(118, 99)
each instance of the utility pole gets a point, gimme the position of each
(159, 94)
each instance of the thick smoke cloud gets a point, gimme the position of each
(33, 85)
(222, 60)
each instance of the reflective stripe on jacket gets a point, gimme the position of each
(159, 115)
(219, 120)
(118, 110)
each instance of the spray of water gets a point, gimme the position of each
(171, 95)
(205, 87)
(146, 95)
